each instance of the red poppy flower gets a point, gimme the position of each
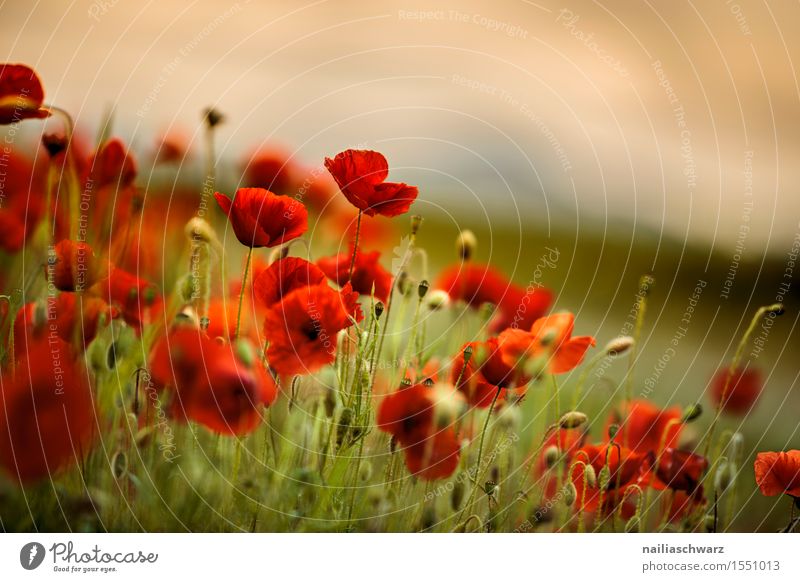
(112, 165)
(137, 299)
(680, 470)
(302, 328)
(21, 94)
(743, 390)
(778, 473)
(172, 148)
(626, 468)
(73, 266)
(421, 418)
(271, 169)
(47, 414)
(368, 273)
(22, 205)
(551, 335)
(219, 385)
(643, 427)
(361, 175)
(282, 277)
(262, 219)
(474, 284)
(486, 372)
(520, 308)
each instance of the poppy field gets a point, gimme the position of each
(276, 347)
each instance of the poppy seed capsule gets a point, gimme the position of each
(591, 476)
(378, 309)
(466, 245)
(437, 300)
(551, 455)
(572, 419)
(570, 493)
(619, 345)
(212, 117)
(54, 143)
(422, 289)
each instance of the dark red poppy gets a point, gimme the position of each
(112, 165)
(21, 94)
(422, 419)
(47, 414)
(262, 219)
(282, 277)
(485, 373)
(271, 169)
(361, 175)
(23, 195)
(643, 427)
(550, 338)
(679, 470)
(222, 386)
(625, 468)
(474, 284)
(778, 473)
(742, 393)
(369, 276)
(73, 266)
(302, 328)
(137, 299)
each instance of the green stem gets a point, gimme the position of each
(241, 293)
(355, 246)
(470, 503)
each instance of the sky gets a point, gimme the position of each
(679, 118)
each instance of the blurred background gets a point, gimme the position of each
(628, 137)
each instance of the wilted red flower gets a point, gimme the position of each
(271, 169)
(219, 385)
(137, 299)
(644, 427)
(361, 175)
(778, 473)
(21, 94)
(368, 273)
(262, 219)
(282, 277)
(626, 468)
(743, 390)
(421, 418)
(73, 266)
(47, 414)
(302, 328)
(550, 336)
(680, 470)
(485, 373)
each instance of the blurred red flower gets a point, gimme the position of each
(73, 266)
(679, 470)
(112, 165)
(778, 473)
(485, 373)
(282, 277)
(626, 468)
(302, 328)
(550, 336)
(47, 414)
(368, 273)
(521, 307)
(271, 169)
(23, 195)
(21, 94)
(138, 300)
(474, 284)
(361, 175)
(262, 219)
(742, 393)
(643, 427)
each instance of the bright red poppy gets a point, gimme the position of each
(778, 473)
(435, 458)
(643, 427)
(302, 328)
(551, 337)
(260, 218)
(73, 266)
(369, 276)
(21, 94)
(47, 414)
(282, 277)
(222, 386)
(485, 373)
(742, 393)
(361, 176)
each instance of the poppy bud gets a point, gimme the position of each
(634, 525)
(199, 230)
(692, 412)
(345, 419)
(466, 244)
(605, 477)
(619, 346)
(457, 495)
(416, 222)
(437, 300)
(403, 283)
(378, 310)
(724, 477)
(591, 476)
(54, 143)
(212, 117)
(245, 353)
(570, 493)
(735, 446)
(422, 289)
(572, 419)
(613, 429)
(467, 354)
(551, 455)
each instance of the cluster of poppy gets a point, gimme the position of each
(215, 370)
